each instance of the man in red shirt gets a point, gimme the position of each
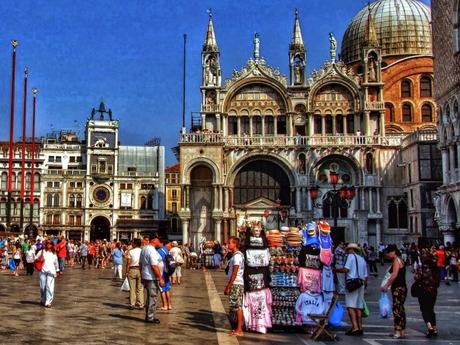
(61, 251)
(441, 264)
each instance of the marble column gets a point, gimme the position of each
(371, 207)
(218, 232)
(203, 121)
(345, 129)
(367, 122)
(216, 198)
(323, 125)
(218, 124)
(445, 166)
(185, 237)
(311, 125)
(221, 199)
(298, 201)
(238, 125)
(382, 123)
(453, 174)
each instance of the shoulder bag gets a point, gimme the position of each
(355, 283)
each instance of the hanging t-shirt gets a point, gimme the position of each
(309, 279)
(327, 280)
(325, 241)
(256, 278)
(257, 257)
(237, 259)
(308, 303)
(258, 315)
(309, 257)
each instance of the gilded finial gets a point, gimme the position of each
(296, 12)
(26, 71)
(34, 90)
(209, 13)
(14, 43)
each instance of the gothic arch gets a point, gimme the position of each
(200, 161)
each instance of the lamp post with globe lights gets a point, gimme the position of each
(337, 198)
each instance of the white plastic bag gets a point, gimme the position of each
(385, 305)
(125, 285)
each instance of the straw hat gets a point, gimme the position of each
(353, 246)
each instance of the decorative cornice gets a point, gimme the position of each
(256, 68)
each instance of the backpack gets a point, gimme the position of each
(169, 262)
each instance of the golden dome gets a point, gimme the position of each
(402, 26)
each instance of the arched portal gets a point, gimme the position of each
(201, 203)
(262, 185)
(261, 179)
(100, 229)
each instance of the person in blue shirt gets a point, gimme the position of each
(117, 259)
(166, 289)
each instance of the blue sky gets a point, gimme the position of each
(129, 54)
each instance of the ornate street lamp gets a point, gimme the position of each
(337, 198)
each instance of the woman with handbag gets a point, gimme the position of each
(355, 280)
(48, 273)
(397, 283)
(427, 280)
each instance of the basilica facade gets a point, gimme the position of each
(285, 150)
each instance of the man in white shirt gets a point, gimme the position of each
(133, 272)
(235, 285)
(151, 266)
(355, 268)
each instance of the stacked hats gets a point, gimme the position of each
(275, 238)
(294, 237)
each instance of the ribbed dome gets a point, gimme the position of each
(402, 27)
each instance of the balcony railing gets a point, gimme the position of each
(420, 136)
(374, 105)
(286, 141)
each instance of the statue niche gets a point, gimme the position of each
(372, 67)
(211, 70)
(298, 71)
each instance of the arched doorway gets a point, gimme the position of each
(31, 231)
(201, 204)
(100, 229)
(262, 186)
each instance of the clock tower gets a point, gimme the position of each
(102, 146)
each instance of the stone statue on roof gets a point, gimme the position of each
(333, 46)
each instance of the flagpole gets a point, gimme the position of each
(14, 44)
(32, 172)
(23, 158)
(183, 85)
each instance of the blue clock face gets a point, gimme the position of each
(101, 194)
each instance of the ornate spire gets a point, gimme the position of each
(371, 34)
(297, 40)
(210, 43)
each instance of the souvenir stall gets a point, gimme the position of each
(287, 275)
(258, 298)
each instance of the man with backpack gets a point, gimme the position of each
(169, 265)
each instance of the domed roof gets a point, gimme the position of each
(402, 28)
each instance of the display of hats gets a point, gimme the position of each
(275, 238)
(294, 238)
(285, 228)
(324, 227)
